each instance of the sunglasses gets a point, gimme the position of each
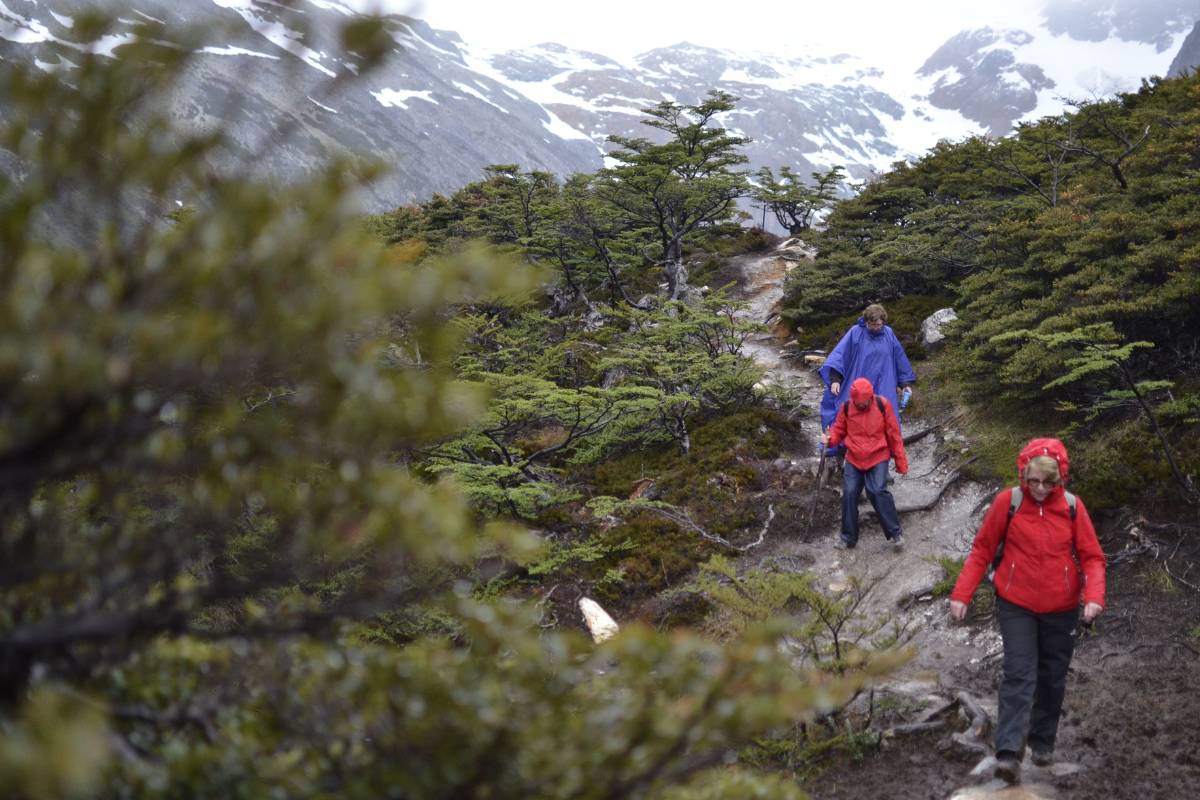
(1049, 483)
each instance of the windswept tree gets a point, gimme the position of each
(597, 238)
(795, 204)
(671, 190)
(1108, 134)
(514, 205)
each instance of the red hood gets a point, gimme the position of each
(1044, 447)
(861, 392)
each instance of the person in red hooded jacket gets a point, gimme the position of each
(869, 427)
(1050, 564)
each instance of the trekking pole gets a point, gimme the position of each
(812, 511)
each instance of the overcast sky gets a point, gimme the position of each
(883, 30)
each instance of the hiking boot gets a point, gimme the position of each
(1008, 768)
(898, 542)
(842, 544)
(1042, 758)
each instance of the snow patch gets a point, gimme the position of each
(22, 30)
(946, 77)
(277, 34)
(229, 50)
(411, 36)
(396, 97)
(329, 5)
(561, 129)
(1078, 68)
(542, 93)
(477, 94)
(319, 104)
(565, 60)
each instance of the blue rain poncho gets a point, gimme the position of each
(878, 357)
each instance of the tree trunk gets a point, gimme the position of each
(681, 434)
(1184, 481)
(1116, 171)
(675, 270)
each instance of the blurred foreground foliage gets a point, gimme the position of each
(207, 421)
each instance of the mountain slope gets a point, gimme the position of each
(1188, 57)
(425, 114)
(441, 109)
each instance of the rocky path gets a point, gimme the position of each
(939, 515)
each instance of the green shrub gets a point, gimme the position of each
(951, 567)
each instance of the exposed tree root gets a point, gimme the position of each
(940, 461)
(972, 739)
(919, 435)
(684, 520)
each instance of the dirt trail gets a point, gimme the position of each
(945, 529)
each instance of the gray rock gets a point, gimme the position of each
(932, 336)
(1188, 57)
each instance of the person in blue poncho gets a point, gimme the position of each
(869, 350)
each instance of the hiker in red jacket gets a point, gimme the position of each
(1050, 562)
(868, 426)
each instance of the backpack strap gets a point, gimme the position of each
(878, 403)
(1013, 504)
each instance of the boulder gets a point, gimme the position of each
(795, 249)
(931, 329)
(645, 489)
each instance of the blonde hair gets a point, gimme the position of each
(1045, 466)
(875, 313)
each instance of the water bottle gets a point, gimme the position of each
(905, 395)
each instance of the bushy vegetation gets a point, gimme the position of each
(1071, 252)
(288, 494)
(260, 459)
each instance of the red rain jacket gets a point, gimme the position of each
(1049, 559)
(870, 436)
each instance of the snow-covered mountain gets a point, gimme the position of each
(816, 110)
(1079, 50)
(433, 120)
(441, 109)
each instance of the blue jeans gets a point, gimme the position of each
(875, 480)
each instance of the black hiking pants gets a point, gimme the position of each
(1037, 652)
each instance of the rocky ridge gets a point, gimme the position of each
(441, 109)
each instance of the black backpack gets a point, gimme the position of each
(878, 402)
(1013, 505)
